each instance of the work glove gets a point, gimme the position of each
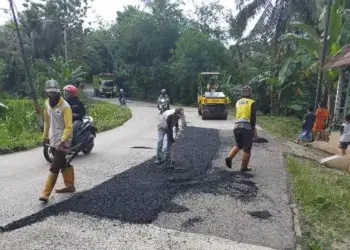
(177, 129)
(45, 142)
(254, 132)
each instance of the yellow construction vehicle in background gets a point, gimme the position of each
(211, 104)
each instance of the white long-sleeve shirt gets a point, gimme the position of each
(345, 134)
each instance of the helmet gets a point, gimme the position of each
(163, 91)
(121, 90)
(52, 86)
(72, 90)
(246, 91)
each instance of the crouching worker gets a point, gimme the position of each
(57, 132)
(168, 120)
(244, 129)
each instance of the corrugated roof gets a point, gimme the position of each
(341, 60)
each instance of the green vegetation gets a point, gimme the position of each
(285, 128)
(323, 200)
(19, 129)
(158, 46)
(321, 194)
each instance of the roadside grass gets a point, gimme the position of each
(323, 199)
(280, 126)
(322, 194)
(19, 129)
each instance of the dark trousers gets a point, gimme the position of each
(59, 161)
(244, 139)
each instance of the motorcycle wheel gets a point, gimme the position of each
(48, 154)
(89, 148)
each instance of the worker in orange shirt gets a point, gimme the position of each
(319, 125)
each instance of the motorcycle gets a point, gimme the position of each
(163, 106)
(84, 141)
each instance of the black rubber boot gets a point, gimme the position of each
(228, 162)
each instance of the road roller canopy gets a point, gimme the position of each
(214, 95)
(210, 73)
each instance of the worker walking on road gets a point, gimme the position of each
(168, 120)
(244, 129)
(58, 133)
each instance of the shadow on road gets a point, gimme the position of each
(139, 194)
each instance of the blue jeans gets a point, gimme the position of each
(306, 135)
(161, 134)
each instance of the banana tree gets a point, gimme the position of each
(64, 72)
(311, 40)
(277, 72)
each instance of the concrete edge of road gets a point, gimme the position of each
(293, 206)
(296, 223)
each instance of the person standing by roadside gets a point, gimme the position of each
(57, 133)
(345, 135)
(319, 125)
(308, 122)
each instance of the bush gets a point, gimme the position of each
(107, 116)
(281, 126)
(19, 129)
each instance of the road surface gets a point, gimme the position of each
(124, 201)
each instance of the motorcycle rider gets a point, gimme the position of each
(168, 120)
(166, 98)
(244, 129)
(121, 95)
(78, 109)
(57, 132)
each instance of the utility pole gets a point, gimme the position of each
(32, 39)
(65, 41)
(65, 30)
(323, 54)
(29, 78)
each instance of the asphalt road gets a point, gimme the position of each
(124, 201)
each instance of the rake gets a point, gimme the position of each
(172, 151)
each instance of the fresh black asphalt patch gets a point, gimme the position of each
(200, 195)
(139, 194)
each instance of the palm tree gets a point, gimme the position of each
(310, 39)
(274, 17)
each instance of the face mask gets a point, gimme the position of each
(66, 95)
(53, 99)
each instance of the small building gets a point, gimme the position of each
(342, 61)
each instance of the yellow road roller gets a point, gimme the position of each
(211, 103)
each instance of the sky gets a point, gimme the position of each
(106, 10)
